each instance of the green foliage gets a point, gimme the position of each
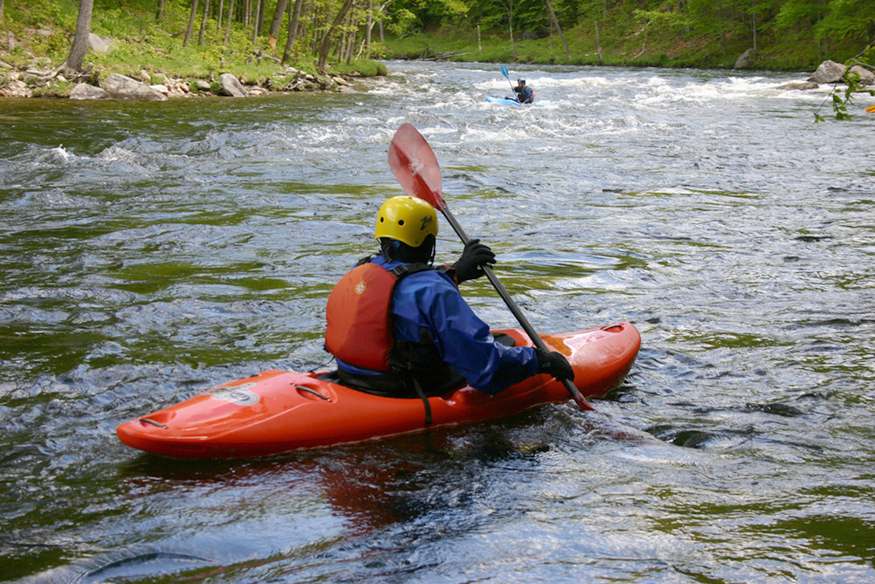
(688, 33)
(840, 98)
(403, 23)
(661, 18)
(44, 28)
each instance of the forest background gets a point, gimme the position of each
(255, 39)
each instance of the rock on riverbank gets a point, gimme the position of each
(39, 79)
(36, 82)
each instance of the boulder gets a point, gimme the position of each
(744, 59)
(121, 87)
(828, 72)
(99, 44)
(866, 76)
(86, 91)
(232, 86)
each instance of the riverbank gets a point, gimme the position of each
(35, 42)
(159, 66)
(36, 78)
(625, 44)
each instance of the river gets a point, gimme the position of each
(151, 251)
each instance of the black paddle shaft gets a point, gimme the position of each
(521, 318)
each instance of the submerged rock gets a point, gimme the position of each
(799, 85)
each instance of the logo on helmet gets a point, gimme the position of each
(360, 288)
(425, 222)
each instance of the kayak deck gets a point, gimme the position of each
(277, 411)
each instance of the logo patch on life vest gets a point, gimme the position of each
(360, 288)
(238, 394)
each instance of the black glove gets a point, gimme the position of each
(555, 364)
(474, 257)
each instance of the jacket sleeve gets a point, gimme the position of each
(431, 300)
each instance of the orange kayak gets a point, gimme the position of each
(278, 411)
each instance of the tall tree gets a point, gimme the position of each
(260, 7)
(200, 34)
(80, 39)
(508, 8)
(228, 28)
(276, 23)
(191, 22)
(294, 19)
(369, 25)
(325, 44)
(559, 28)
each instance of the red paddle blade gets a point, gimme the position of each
(415, 166)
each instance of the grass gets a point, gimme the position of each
(42, 30)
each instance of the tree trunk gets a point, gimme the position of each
(559, 28)
(200, 34)
(370, 25)
(160, 15)
(259, 22)
(275, 24)
(508, 6)
(598, 41)
(80, 40)
(191, 22)
(256, 21)
(325, 45)
(293, 30)
(219, 15)
(228, 28)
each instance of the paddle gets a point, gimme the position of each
(415, 166)
(506, 76)
(871, 109)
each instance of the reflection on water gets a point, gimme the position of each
(152, 251)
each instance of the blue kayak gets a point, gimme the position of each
(511, 101)
(503, 100)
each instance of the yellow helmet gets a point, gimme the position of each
(406, 219)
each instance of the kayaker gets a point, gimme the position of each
(524, 93)
(399, 327)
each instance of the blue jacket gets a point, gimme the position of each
(430, 300)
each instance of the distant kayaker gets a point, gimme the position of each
(399, 327)
(524, 93)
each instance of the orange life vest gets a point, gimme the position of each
(359, 315)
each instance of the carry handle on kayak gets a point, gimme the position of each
(415, 166)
